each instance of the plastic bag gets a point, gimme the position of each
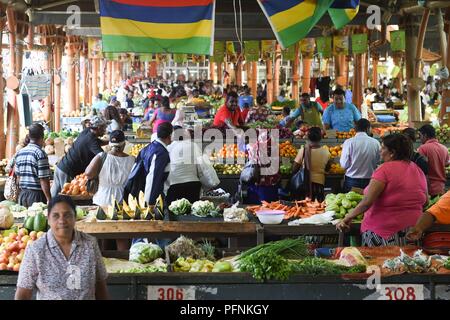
(250, 173)
(207, 174)
(142, 252)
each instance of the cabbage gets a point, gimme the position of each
(203, 208)
(6, 218)
(145, 252)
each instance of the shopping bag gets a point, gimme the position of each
(207, 174)
(250, 173)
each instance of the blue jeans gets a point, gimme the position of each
(350, 183)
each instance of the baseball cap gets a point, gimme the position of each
(117, 136)
(97, 121)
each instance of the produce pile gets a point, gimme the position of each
(417, 263)
(228, 151)
(199, 208)
(286, 169)
(228, 169)
(52, 138)
(287, 150)
(280, 259)
(278, 106)
(136, 148)
(13, 245)
(443, 134)
(124, 266)
(77, 187)
(335, 151)
(336, 169)
(302, 132)
(346, 135)
(3, 165)
(343, 203)
(301, 209)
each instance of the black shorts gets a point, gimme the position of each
(28, 197)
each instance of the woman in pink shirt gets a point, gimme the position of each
(394, 199)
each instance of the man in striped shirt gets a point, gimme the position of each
(32, 169)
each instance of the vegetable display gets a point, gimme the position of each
(180, 207)
(228, 169)
(287, 150)
(319, 266)
(301, 209)
(193, 265)
(6, 218)
(342, 203)
(184, 247)
(145, 252)
(204, 208)
(77, 187)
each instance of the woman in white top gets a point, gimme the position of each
(188, 170)
(112, 114)
(112, 170)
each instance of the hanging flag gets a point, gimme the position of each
(398, 41)
(340, 45)
(343, 11)
(324, 46)
(146, 57)
(307, 47)
(289, 53)
(111, 56)
(292, 20)
(359, 43)
(144, 26)
(251, 50)
(219, 52)
(268, 48)
(95, 48)
(179, 57)
(230, 48)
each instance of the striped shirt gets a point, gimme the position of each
(32, 165)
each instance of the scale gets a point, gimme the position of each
(190, 116)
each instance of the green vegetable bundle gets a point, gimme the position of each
(342, 203)
(180, 207)
(319, 266)
(266, 266)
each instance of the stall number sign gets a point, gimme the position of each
(402, 292)
(170, 293)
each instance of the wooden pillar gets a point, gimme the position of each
(254, 83)
(48, 68)
(102, 67)
(295, 73)
(220, 72)
(77, 82)
(212, 72)
(366, 70)
(276, 70)
(269, 78)
(414, 106)
(109, 74)
(358, 75)
(57, 66)
(71, 75)
(375, 60)
(444, 117)
(306, 74)
(248, 71)
(2, 115)
(341, 67)
(12, 135)
(398, 56)
(95, 71)
(238, 71)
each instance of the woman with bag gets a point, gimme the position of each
(313, 159)
(189, 173)
(111, 169)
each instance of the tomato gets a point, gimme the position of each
(4, 259)
(3, 266)
(16, 267)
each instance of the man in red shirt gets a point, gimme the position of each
(229, 114)
(438, 159)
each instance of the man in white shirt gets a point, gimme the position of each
(360, 157)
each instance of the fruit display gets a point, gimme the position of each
(287, 150)
(228, 151)
(343, 203)
(443, 134)
(284, 133)
(346, 135)
(335, 151)
(53, 138)
(228, 169)
(201, 265)
(336, 169)
(302, 132)
(270, 123)
(136, 148)
(3, 165)
(301, 209)
(13, 245)
(37, 222)
(77, 187)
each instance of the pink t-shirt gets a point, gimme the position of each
(401, 203)
(438, 159)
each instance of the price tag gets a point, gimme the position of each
(402, 292)
(170, 293)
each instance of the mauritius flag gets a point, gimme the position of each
(157, 26)
(292, 20)
(343, 11)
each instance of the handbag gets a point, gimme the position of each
(11, 191)
(300, 182)
(437, 243)
(92, 184)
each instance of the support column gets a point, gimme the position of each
(238, 72)
(12, 135)
(375, 60)
(2, 115)
(358, 75)
(84, 74)
(276, 70)
(57, 67)
(254, 83)
(398, 56)
(248, 71)
(95, 71)
(220, 72)
(295, 75)
(71, 76)
(341, 66)
(77, 82)
(212, 72)
(444, 117)
(306, 74)
(269, 78)
(102, 67)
